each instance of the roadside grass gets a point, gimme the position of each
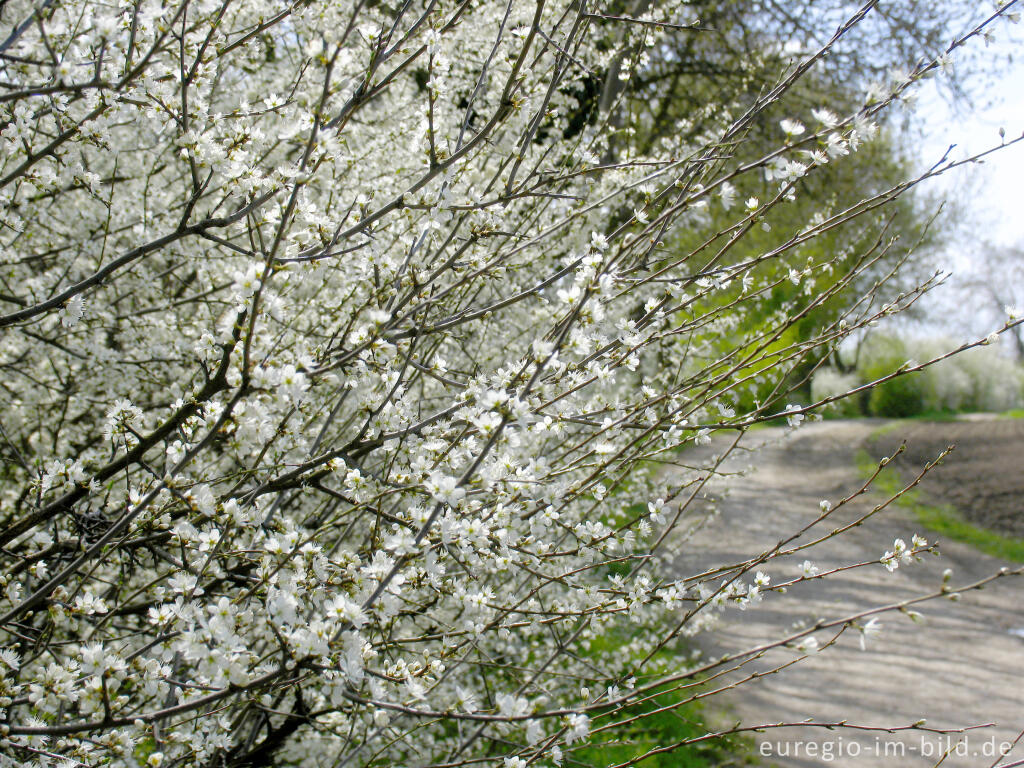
(661, 728)
(666, 716)
(1013, 413)
(943, 519)
(897, 424)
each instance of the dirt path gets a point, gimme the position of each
(962, 665)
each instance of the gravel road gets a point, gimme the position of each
(962, 665)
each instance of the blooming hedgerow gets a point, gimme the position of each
(338, 347)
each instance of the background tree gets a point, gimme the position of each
(658, 90)
(995, 289)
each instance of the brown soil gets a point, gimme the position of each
(984, 476)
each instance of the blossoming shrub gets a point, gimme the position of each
(339, 355)
(988, 380)
(979, 379)
(828, 382)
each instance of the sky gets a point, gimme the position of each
(986, 200)
(996, 197)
